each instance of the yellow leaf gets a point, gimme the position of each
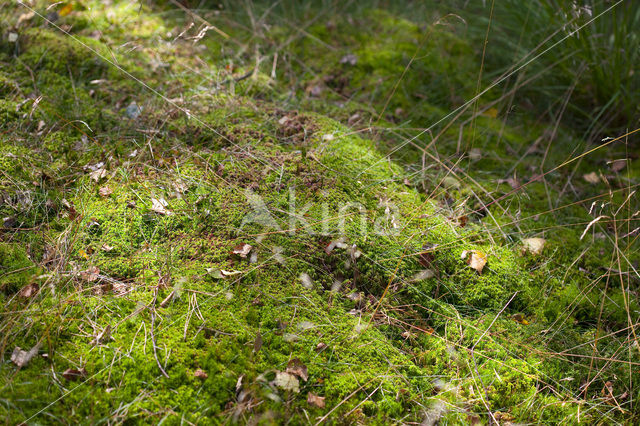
(83, 253)
(475, 259)
(520, 319)
(66, 9)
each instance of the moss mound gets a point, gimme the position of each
(189, 236)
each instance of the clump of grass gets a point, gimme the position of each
(590, 45)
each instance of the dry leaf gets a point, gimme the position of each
(98, 174)
(297, 368)
(242, 250)
(180, 186)
(25, 17)
(607, 391)
(591, 178)
(91, 274)
(618, 165)
(475, 259)
(9, 222)
(105, 191)
(66, 9)
(534, 245)
(423, 275)
(200, 374)
(221, 273)
(257, 344)
(158, 205)
(22, 358)
(306, 281)
(315, 400)
(74, 374)
(426, 257)
(287, 381)
(29, 290)
(321, 346)
(349, 59)
(283, 120)
(106, 247)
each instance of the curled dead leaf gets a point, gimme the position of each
(103, 336)
(257, 343)
(618, 165)
(200, 374)
(315, 400)
(321, 346)
(297, 368)
(475, 154)
(105, 191)
(159, 205)
(98, 174)
(73, 374)
(21, 358)
(476, 259)
(425, 274)
(242, 250)
(534, 245)
(221, 273)
(29, 291)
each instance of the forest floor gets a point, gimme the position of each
(296, 215)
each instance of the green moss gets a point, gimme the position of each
(16, 269)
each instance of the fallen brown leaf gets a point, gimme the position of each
(29, 290)
(315, 400)
(297, 368)
(22, 358)
(618, 165)
(74, 374)
(200, 374)
(98, 174)
(257, 344)
(103, 335)
(242, 250)
(105, 191)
